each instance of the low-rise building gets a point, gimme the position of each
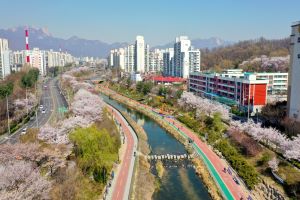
(246, 91)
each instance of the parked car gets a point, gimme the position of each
(43, 111)
(41, 106)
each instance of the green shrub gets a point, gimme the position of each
(96, 151)
(238, 163)
(189, 122)
(264, 159)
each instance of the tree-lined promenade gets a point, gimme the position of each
(225, 182)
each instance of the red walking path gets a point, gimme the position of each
(123, 178)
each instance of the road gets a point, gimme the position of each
(51, 99)
(121, 184)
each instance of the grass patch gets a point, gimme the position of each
(159, 168)
(289, 173)
(72, 184)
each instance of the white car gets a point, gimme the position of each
(24, 131)
(43, 111)
(41, 106)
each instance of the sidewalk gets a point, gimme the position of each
(121, 183)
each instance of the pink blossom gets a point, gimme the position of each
(190, 101)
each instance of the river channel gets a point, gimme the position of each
(177, 182)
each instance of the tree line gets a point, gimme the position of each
(231, 56)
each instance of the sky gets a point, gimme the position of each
(160, 21)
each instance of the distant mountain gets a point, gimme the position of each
(41, 38)
(209, 43)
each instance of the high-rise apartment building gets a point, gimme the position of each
(194, 60)
(140, 54)
(181, 47)
(129, 58)
(294, 74)
(4, 58)
(156, 60)
(186, 59)
(168, 62)
(147, 58)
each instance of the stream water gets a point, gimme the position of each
(178, 182)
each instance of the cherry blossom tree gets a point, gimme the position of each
(87, 105)
(10, 152)
(28, 103)
(189, 101)
(291, 148)
(22, 180)
(271, 137)
(53, 135)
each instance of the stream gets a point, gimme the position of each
(177, 182)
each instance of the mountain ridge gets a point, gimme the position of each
(43, 39)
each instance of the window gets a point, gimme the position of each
(298, 39)
(298, 55)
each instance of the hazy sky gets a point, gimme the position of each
(160, 21)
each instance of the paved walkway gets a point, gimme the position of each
(215, 164)
(122, 181)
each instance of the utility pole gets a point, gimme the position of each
(8, 126)
(36, 116)
(26, 100)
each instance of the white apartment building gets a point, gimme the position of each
(168, 62)
(294, 74)
(147, 58)
(133, 58)
(194, 60)
(129, 58)
(183, 64)
(117, 58)
(277, 81)
(111, 58)
(18, 57)
(140, 54)
(156, 61)
(4, 58)
(37, 60)
(181, 60)
(121, 60)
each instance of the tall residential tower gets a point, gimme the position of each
(140, 54)
(294, 74)
(186, 58)
(4, 58)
